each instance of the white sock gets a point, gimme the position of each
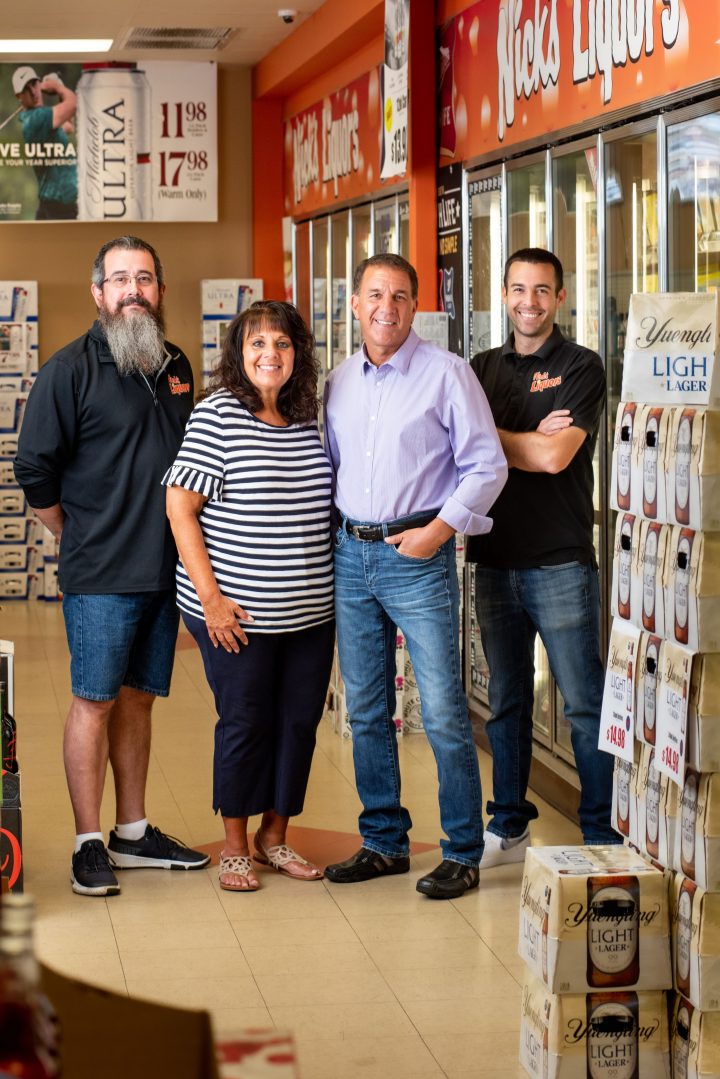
(84, 836)
(134, 830)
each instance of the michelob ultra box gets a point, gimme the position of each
(649, 576)
(624, 488)
(625, 598)
(657, 809)
(577, 1035)
(670, 347)
(697, 837)
(693, 463)
(694, 1042)
(649, 665)
(623, 813)
(594, 919)
(692, 589)
(696, 943)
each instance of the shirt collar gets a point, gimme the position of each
(548, 346)
(400, 360)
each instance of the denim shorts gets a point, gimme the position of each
(121, 639)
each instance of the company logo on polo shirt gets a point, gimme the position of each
(176, 386)
(541, 381)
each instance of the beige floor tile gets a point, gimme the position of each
(190, 992)
(203, 909)
(490, 1015)
(476, 1056)
(429, 954)
(452, 983)
(229, 1022)
(293, 930)
(102, 969)
(266, 957)
(162, 935)
(332, 987)
(340, 1021)
(429, 922)
(178, 963)
(362, 1058)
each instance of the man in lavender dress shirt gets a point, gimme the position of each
(416, 459)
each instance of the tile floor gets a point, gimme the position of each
(373, 980)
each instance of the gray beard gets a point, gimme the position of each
(137, 343)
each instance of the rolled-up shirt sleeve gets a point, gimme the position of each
(479, 459)
(47, 436)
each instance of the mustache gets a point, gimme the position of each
(139, 301)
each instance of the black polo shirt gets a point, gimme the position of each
(100, 444)
(541, 519)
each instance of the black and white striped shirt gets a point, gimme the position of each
(266, 523)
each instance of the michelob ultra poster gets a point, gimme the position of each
(108, 141)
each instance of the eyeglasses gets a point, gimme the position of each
(122, 280)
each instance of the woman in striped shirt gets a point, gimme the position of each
(249, 504)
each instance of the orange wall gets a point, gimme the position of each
(59, 255)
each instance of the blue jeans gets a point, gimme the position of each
(562, 604)
(377, 589)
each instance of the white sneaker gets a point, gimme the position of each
(501, 851)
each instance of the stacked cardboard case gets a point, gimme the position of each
(661, 710)
(28, 553)
(408, 712)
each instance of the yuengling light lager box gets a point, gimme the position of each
(694, 1042)
(594, 919)
(692, 589)
(693, 468)
(696, 943)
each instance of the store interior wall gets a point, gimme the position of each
(59, 255)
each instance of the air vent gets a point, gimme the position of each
(161, 37)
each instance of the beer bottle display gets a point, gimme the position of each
(624, 456)
(623, 775)
(688, 823)
(650, 463)
(650, 690)
(683, 458)
(612, 1036)
(681, 1040)
(682, 586)
(649, 576)
(624, 557)
(613, 921)
(683, 950)
(652, 809)
(7, 723)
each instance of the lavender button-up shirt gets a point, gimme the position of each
(414, 434)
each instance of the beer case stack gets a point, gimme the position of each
(594, 934)
(666, 585)
(11, 862)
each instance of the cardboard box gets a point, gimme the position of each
(587, 1034)
(13, 556)
(656, 826)
(692, 589)
(11, 856)
(671, 344)
(8, 444)
(649, 465)
(258, 1054)
(697, 839)
(625, 597)
(624, 489)
(13, 584)
(693, 488)
(14, 529)
(12, 408)
(617, 716)
(653, 543)
(12, 502)
(649, 664)
(703, 732)
(694, 1042)
(624, 814)
(594, 918)
(696, 943)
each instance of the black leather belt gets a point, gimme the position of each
(372, 533)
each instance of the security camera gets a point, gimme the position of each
(287, 14)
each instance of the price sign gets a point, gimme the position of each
(617, 718)
(395, 122)
(672, 711)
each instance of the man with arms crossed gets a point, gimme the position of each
(416, 458)
(103, 423)
(536, 569)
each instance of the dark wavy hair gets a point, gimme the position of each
(298, 399)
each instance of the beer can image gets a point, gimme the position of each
(612, 1035)
(114, 136)
(613, 957)
(683, 459)
(682, 596)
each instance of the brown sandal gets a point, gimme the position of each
(242, 866)
(280, 857)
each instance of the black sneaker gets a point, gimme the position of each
(91, 873)
(154, 851)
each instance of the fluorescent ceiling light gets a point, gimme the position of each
(37, 45)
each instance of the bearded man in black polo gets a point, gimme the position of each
(536, 570)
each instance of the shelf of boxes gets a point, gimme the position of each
(11, 862)
(222, 299)
(662, 693)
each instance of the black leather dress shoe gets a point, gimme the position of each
(449, 880)
(365, 865)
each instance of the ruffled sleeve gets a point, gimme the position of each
(200, 463)
(192, 479)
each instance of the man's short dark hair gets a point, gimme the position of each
(538, 255)
(127, 243)
(393, 262)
